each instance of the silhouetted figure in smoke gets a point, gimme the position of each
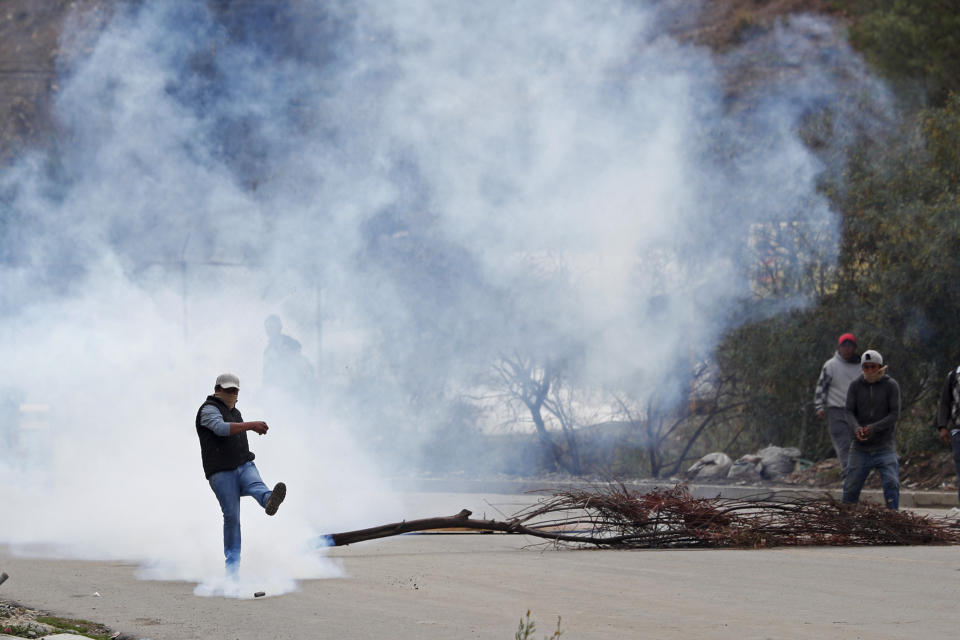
(228, 462)
(285, 368)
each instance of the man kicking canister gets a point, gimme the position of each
(228, 462)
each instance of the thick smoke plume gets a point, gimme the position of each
(414, 188)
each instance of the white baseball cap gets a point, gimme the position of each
(228, 381)
(871, 356)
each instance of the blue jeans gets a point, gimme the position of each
(955, 443)
(229, 486)
(858, 468)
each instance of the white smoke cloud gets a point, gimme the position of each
(414, 187)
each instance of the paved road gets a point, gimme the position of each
(479, 586)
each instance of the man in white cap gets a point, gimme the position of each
(228, 462)
(873, 402)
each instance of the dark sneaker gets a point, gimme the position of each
(276, 497)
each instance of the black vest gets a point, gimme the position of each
(222, 453)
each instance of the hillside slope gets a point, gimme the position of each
(31, 49)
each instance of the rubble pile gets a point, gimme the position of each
(922, 471)
(770, 463)
(22, 622)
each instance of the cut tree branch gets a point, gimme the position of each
(460, 521)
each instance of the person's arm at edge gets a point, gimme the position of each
(943, 410)
(820, 394)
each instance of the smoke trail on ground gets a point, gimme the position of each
(414, 188)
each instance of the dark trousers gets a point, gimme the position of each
(841, 435)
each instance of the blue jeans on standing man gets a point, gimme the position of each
(229, 486)
(858, 468)
(955, 443)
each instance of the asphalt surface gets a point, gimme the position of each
(480, 585)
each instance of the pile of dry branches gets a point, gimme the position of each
(614, 516)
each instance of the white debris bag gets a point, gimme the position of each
(778, 461)
(748, 467)
(712, 465)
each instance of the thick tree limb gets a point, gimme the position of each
(460, 521)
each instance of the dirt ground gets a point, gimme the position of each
(481, 585)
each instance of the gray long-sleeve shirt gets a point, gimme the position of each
(211, 418)
(877, 406)
(835, 378)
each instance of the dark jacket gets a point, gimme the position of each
(222, 453)
(875, 405)
(947, 417)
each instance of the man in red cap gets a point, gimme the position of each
(830, 398)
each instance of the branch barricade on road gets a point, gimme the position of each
(612, 516)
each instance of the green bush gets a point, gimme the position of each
(912, 41)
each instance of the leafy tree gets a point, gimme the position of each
(912, 41)
(776, 362)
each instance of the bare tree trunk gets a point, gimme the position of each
(653, 439)
(548, 444)
(686, 449)
(531, 387)
(572, 450)
(556, 406)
